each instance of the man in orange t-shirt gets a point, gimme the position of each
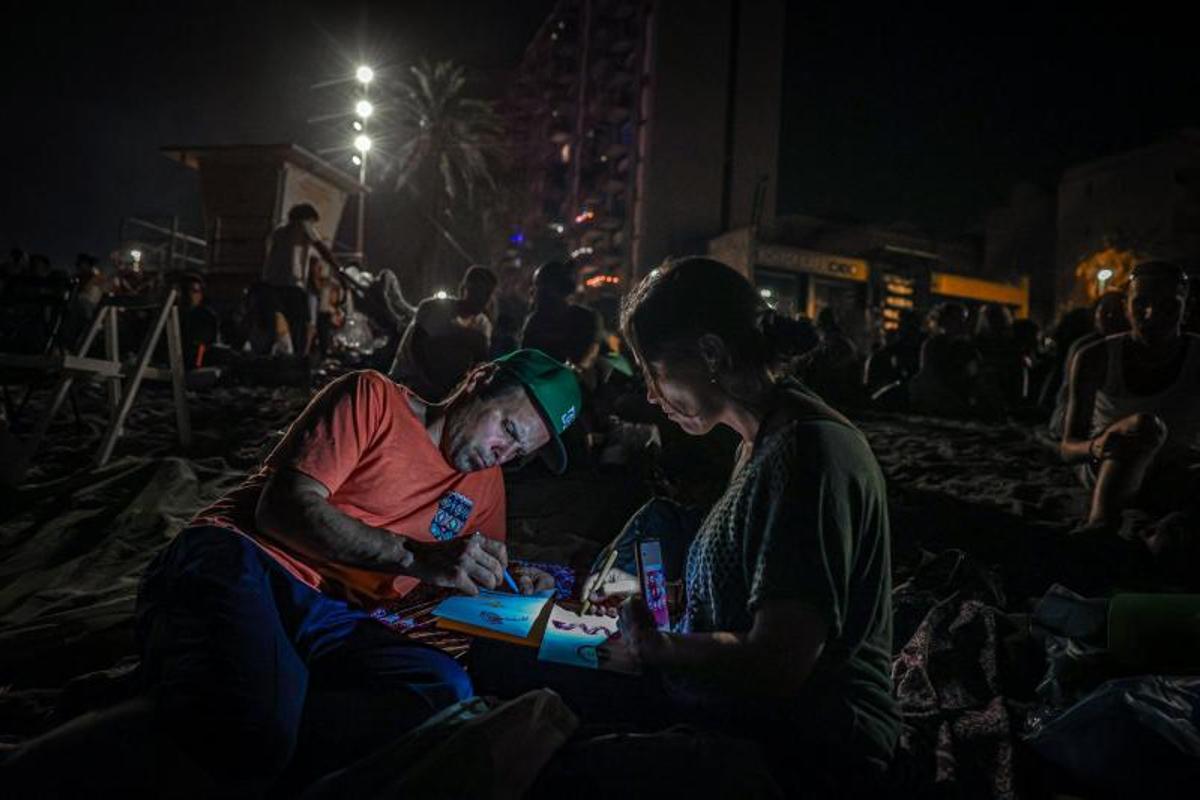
(256, 618)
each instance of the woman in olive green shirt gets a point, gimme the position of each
(788, 619)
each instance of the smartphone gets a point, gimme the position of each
(654, 582)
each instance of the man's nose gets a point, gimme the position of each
(504, 451)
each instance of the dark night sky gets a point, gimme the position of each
(927, 118)
(931, 117)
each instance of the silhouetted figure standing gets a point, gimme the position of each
(949, 363)
(286, 270)
(889, 369)
(547, 326)
(832, 369)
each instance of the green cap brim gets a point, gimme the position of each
(553, 389)
(553, 453)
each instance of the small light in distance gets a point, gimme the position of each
(1104, 274)
(356, 161)
(357, 125)
(136, 255)
(441, 294)
(766, 293)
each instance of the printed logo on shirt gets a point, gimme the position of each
(568, 417)
(451, 516)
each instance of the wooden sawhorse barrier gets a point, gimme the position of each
(123, 385)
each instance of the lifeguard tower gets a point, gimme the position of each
(246, 191)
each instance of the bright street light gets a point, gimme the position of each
(364, 108)
(362, 143)
(441, 294)
(364, 74)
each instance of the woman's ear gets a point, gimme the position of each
(715, 353)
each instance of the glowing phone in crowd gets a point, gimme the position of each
(654, 582)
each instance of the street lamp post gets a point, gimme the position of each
(362, 143)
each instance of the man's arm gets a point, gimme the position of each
(322, 249)
(1087, 373)
(294, 510)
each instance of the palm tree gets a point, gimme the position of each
(448, 150)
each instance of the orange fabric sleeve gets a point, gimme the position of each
(327, 441)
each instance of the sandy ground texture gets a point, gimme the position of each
(74, 539)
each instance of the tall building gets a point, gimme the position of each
(644, 129)
(1141, 203)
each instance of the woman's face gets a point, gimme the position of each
(686, 394)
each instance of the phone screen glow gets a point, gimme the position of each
(654, 583)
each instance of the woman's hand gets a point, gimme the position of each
(640, 634)
(617, 587)
(531, 580)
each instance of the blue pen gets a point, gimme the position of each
(511, 583)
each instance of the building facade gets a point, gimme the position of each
(870, 275)
(1144, 203)
(643, 129)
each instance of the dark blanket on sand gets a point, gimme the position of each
(980, 519)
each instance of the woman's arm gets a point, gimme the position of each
(773, 659)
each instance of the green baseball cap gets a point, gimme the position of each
(554, 390)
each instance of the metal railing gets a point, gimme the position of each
(172, 249)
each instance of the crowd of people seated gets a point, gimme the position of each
(804, 645)
(1114, 388)
(962, 362)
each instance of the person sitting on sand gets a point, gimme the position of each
(256, 618)
(1108, 319)
(832, 368)
(944, 385)
(1133, 402)
(889, 369)
(447, 337)
(785, 635)
(787, 611)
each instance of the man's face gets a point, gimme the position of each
(195, 294)
(486, 433)
(1154, 308)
